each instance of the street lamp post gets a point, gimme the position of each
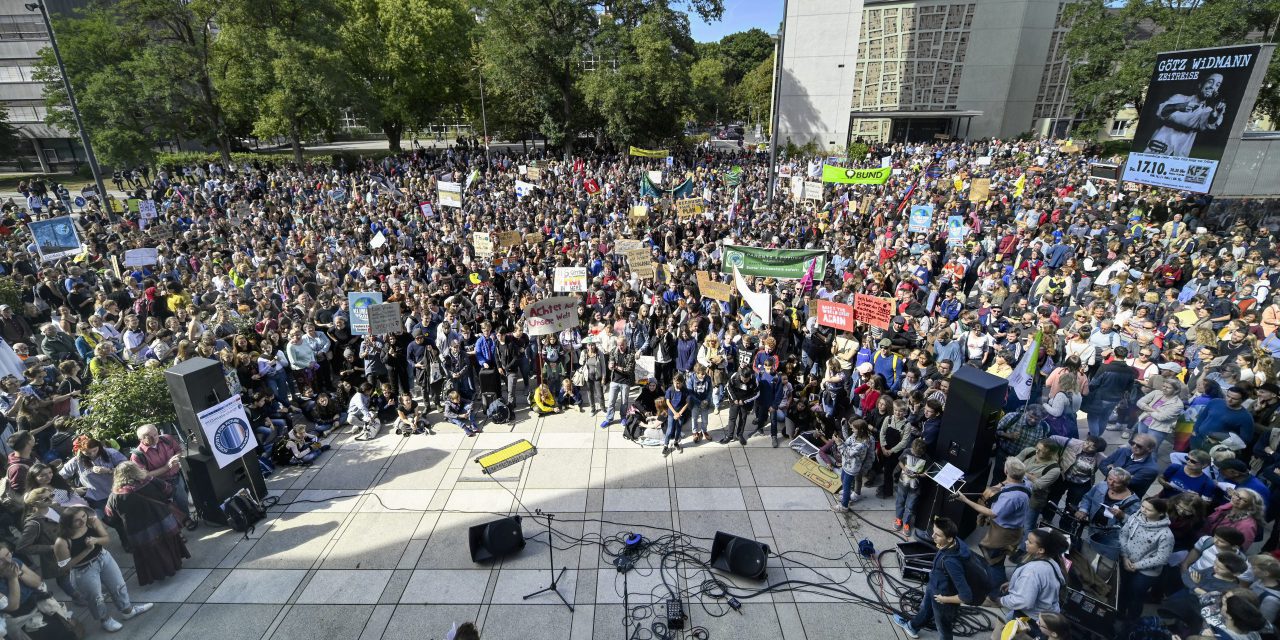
(774, 103)
(484, 121)
(71, 98)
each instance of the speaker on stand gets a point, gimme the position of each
(196, 385)
(967, 441)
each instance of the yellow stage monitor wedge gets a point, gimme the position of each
(513, 453)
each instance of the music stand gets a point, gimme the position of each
(502, 458)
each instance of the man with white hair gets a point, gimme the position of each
(1009, 502)
(159, 456)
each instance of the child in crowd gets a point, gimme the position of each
(911, 466)
(303, 447)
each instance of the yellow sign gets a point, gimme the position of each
(980, 190)
(713, 289)
(818, 474)
(688, 207)
(639, 213)
(649, 153)
(533, 238)
(508, 238)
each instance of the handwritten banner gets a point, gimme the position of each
(872, 310)
(483, 244)
(550, 315)
(834, 315)
(688, 207)
(641, 262)
(980, 190)
(571, 279)
(712, 288)
(509, 239)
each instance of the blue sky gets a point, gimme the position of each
(739, 15)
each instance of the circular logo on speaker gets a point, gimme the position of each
(231, 436)
(734, 259)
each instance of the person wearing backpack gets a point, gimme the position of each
(1036, 585)
(1010, 500)
(948, 585)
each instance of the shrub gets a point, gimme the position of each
(123, 401)
(10, 294)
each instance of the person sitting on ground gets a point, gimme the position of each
(304, 447)
(544, 402)
(459, 413)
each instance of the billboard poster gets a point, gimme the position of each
(56, 238)
(1192, 102)
(358, 303)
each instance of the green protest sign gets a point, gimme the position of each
(773, 263)
(842, 175)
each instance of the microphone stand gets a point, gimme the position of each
(551, 554)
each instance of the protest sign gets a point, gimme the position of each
(571, 279)
(358, 303)
(812, 190)
(797, 188)
(840, 175)
(139, 257)
(639, 213)
(550, 315)
(872, 310)
(955, 230)
(773, 263)
(384, 318)
(626, 244)
(645, 366)
(818, 474)
(534, 173)
(426, 209)
(449, 194)
(508, 239)
(483, 244)
(146, 213)
(688, 207)
(921, 218)
(533, 238)
(523, 189)
(56, 238)
(980, 190)
(641, 262)
(377, 241)
(834, 315)
(226, 429)
(649, 153)
(713, 289)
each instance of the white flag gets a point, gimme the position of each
(759, 302)
(523, 188)
(1023, 376)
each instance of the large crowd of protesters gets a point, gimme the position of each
(1149, 320)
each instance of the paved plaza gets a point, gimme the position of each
(371, 542)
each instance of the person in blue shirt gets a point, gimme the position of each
(1138, 459)
(947, 588)
(1224, 415)
(1009, 502)
(888, 364)
(1188, 477)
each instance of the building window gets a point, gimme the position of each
(19, 114)
(21, 28)
(15, 74)
(1120, 128)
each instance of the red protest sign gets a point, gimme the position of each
(872, 310)
(835, 315)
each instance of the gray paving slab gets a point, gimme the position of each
(310, 621)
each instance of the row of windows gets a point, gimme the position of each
(16, 74)
(17, 27)
(28, 115)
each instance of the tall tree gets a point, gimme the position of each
(142, 70)
(752, 95)
(280, 69)
(742, 52)
(1113, 49)
(532, 52)
(408, 59)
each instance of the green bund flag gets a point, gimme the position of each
(841, 175)
(773, 263)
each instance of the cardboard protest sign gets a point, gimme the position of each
(139, 257)
(874, 311)
(980, 190)
(813, 190)
(449, 194)
(639, 213)
(640, 262)
(533, 238)
(508, 239)
(571, 279)
(483, 244)
(645, 366)
(688, 207)
(834, 315)
(713, 289)
(550, 315)
(626, 244)
(384, 318)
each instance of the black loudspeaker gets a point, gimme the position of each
(934, 501)
(496, 539)
(210, 485)
(967, 435)
(739, 556)
(196, 385)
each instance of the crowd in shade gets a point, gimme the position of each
(1142, 334)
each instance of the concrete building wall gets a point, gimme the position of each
(819, 50)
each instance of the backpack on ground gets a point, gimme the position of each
(498, 412)
(243, 511)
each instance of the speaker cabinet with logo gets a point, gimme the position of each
(196, 385)
(210, 485)
(496, 539)
(967, 435)
(739, 556)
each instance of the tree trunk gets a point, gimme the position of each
(295, 142)
(394, 131)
